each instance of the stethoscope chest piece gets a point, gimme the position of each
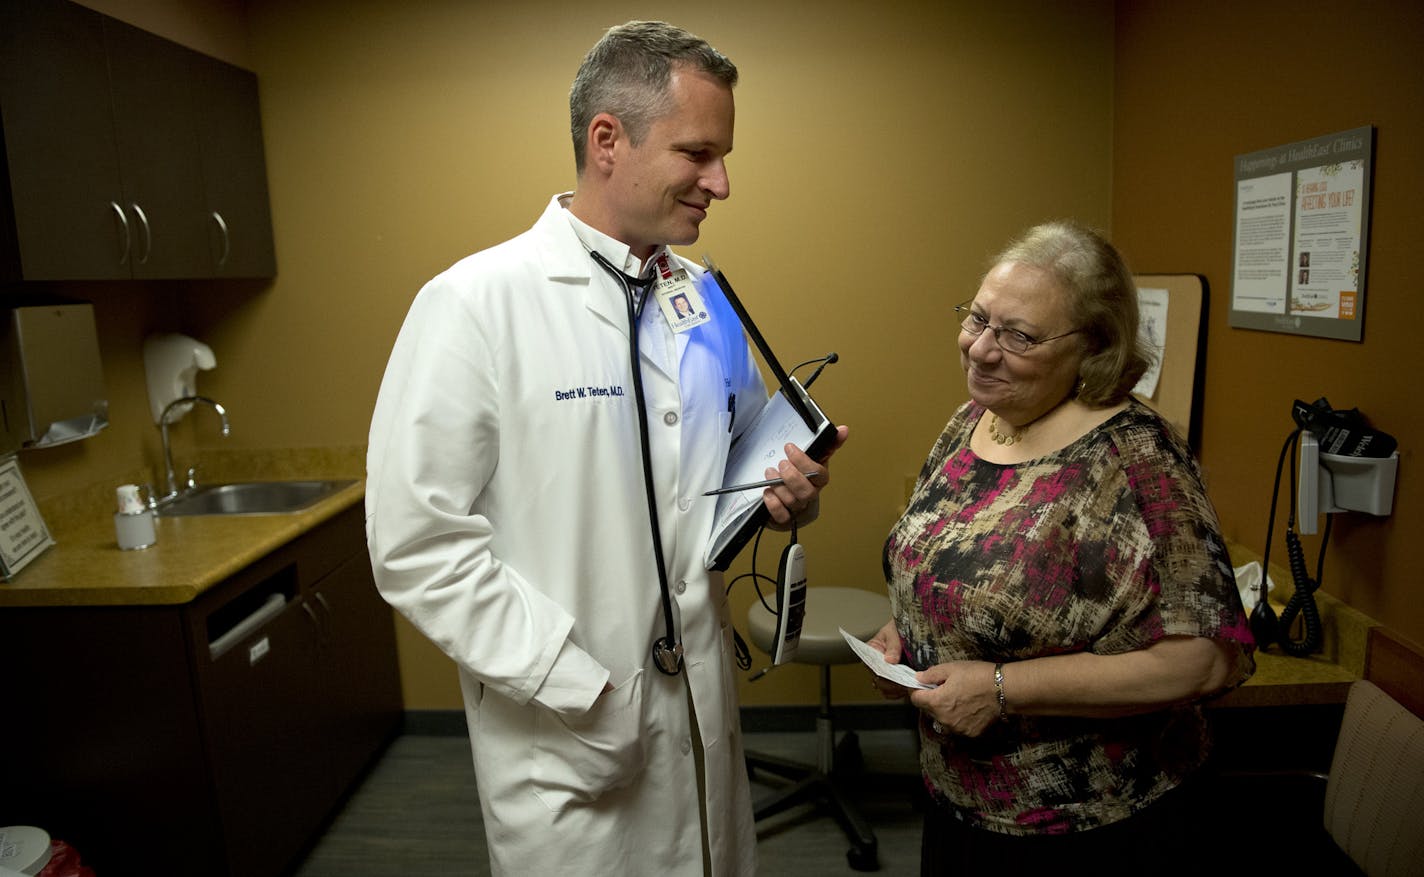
(668, 659)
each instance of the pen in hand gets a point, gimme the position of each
(753, 485)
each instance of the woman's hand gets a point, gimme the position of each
(964, 701)
(1176, 669)
(887, 642)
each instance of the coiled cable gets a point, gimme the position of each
(1264, 625)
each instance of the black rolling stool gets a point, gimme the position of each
(862, 614)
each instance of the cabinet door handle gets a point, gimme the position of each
(316, 622)
(147, 232)
(270, 609)
(321, 598)
(226, 244)
(128, 237)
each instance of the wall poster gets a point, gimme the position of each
(1301, 235)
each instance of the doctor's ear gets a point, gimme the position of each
(605, 132)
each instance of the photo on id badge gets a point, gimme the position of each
(680, 302)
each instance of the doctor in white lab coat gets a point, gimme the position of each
(507, 515)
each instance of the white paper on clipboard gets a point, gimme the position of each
(760, 447)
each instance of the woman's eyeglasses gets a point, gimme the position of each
(1011, 340)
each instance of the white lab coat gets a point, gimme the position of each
(507, 519)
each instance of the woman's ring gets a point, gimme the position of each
(938, 728)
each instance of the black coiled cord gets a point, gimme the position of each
(1264, 625)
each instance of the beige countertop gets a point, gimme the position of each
(85, 566)
(1283, 680)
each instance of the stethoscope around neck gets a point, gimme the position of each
(667, 650)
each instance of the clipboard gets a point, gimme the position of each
(790, 415)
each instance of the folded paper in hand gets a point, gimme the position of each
(900, 674)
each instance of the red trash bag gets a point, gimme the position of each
(64, 862)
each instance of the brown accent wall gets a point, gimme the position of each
(1196, 85)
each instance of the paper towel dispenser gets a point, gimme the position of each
(51, 379)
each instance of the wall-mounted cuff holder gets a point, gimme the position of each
(1330, 483)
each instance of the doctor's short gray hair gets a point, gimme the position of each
(628, 72)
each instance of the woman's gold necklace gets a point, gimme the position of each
(1005, 439)
(1010, 439)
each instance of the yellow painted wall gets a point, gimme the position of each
(883, 151)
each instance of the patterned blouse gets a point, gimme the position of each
(1105, 546)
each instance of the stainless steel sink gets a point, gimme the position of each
(252, 498)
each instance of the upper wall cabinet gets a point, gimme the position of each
(128, 156)
(238, 217)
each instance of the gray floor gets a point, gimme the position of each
(417, 812)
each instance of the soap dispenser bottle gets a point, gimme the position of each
(133, 522)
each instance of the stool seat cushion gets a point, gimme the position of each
(862, 613)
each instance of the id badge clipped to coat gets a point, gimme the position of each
(677, 296)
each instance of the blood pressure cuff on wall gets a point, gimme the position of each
(1344, 433)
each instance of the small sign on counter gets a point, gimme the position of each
(23, 534)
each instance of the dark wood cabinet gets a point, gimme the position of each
(126, 155)
(222, 733)
(237, 213)
(258, 703)
(157, 138)
(64, 215)
(357, 681)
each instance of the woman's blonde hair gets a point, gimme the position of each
(1102, 303)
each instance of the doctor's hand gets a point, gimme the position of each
(798, 494)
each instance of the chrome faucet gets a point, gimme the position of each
(168, 450)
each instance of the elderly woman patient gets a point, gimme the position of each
(1060, 579)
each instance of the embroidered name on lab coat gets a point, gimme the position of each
(574, 393)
